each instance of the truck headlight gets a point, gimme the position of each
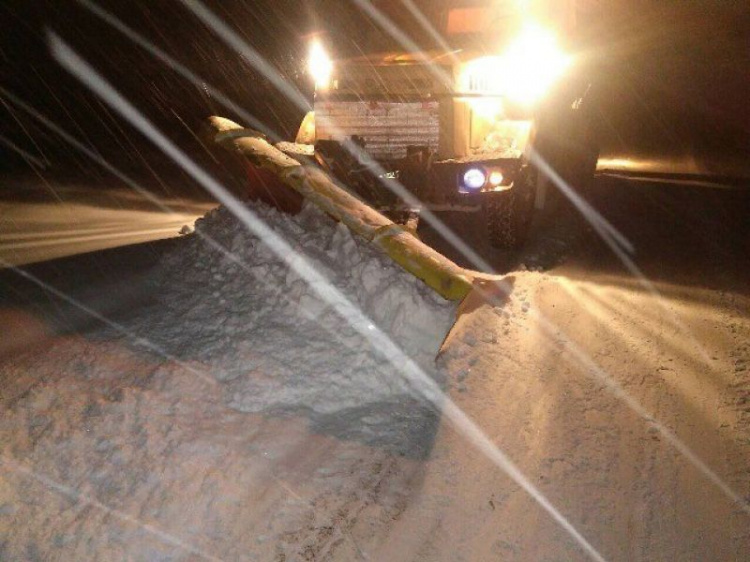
(496, 178)
(474, 178)
(320, 65)
(524, 73)
(532, 64)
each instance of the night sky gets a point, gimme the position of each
(672, 75)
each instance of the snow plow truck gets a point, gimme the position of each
(474, 123)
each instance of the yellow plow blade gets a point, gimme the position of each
(448, 279)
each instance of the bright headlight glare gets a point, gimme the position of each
(474, 178)
(482, 75)
(532, 64)
(496, 178)
(524, 73)
(319, 65)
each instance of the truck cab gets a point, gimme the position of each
(461, 122)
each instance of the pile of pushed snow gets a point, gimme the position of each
(253, 324)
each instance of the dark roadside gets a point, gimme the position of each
(74, 294)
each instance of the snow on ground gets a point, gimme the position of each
(113, 450)
(268, 430)
(610, 471)
(39, 226)
(271, 340)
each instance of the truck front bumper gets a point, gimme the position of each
(433, 182)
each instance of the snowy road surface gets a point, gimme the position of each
(259, 427)
(53, 222)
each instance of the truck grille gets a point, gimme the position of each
(387, 128)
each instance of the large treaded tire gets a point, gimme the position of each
(508, 215)
(499, 216)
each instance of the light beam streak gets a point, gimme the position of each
(614, 242)
(262, 66)
(396, 33)
(619, 244)
(181, 69)
(77, 496)
(430, 29)
(29, 135)
(111, 323)
(402, 363)
(253, 56)
(598, 373)
(96, 158)
(27, 156)
(81, 147)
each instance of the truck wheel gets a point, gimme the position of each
(508, 215)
